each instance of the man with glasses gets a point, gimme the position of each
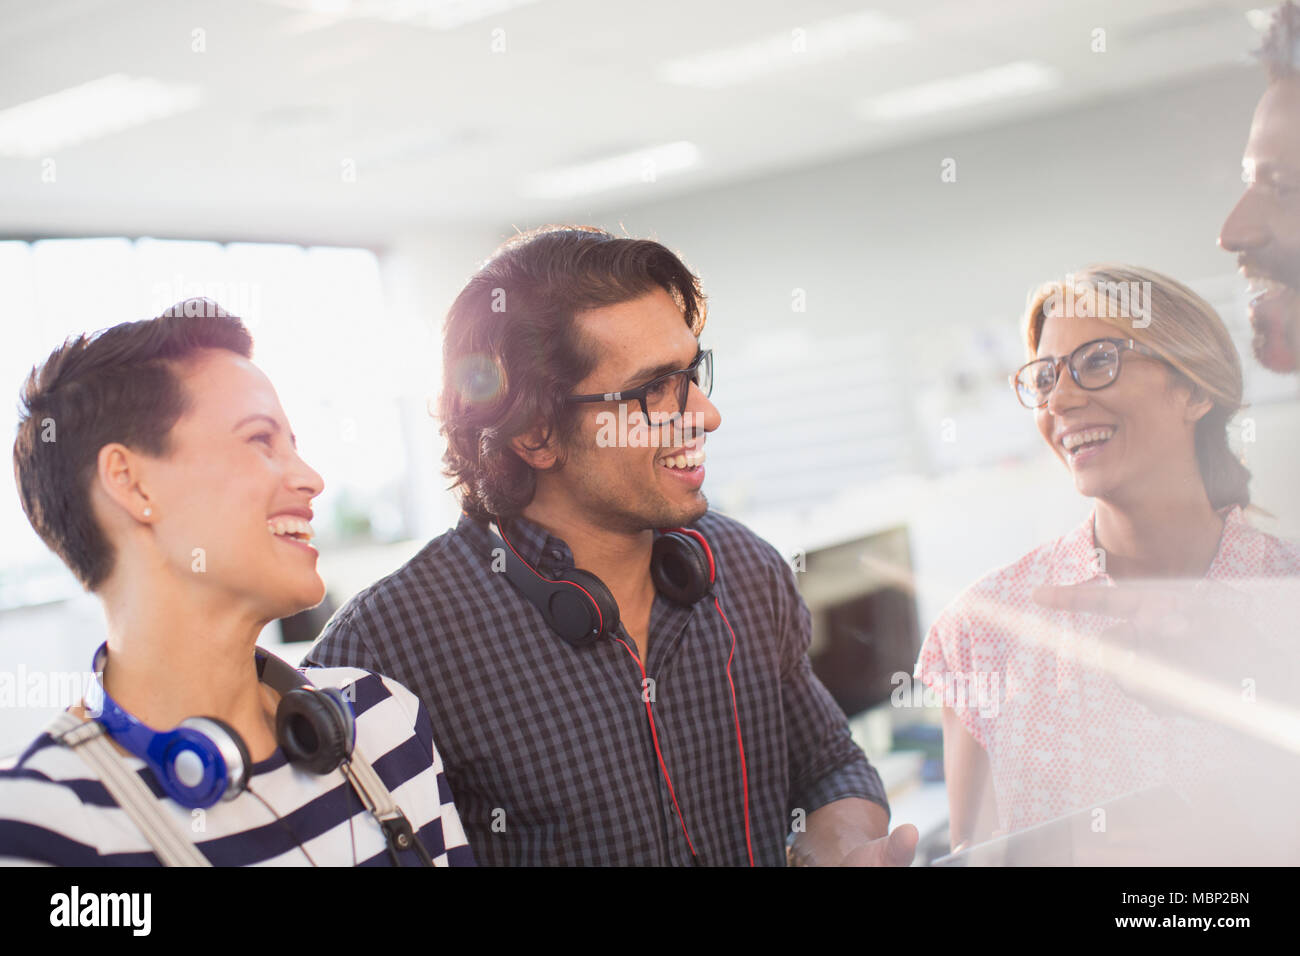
(660, 730)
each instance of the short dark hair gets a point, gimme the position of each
(116, 385)
(1280, 50)
(511, 354)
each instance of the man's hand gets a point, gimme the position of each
(897, 849)
(853, 832)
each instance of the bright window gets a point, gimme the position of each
(353, 380)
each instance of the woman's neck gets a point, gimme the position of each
(1171, 535)
(176, 652)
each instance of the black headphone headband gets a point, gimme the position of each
(581, 609)
(277, 673)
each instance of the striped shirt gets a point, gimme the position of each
(549, 747)
(53, 809)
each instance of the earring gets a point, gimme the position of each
(147, 511)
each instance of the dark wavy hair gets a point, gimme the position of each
(122, 384)
(511, 353)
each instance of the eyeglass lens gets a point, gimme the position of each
(1093, 365)
(666, 398)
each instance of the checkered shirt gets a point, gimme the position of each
(548, 747)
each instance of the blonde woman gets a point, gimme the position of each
(1132, 380)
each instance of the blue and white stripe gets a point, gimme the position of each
(53, 811)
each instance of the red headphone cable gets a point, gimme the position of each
(654, 736)
(740, 743)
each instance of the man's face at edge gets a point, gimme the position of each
(1263, 229)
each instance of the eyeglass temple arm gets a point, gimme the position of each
(692, 372)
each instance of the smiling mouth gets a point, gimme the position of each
(1079, 443)
(1262, 288)
(684, 461)
(1273, 319)
(293, 528)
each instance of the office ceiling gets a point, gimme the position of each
(324, 120)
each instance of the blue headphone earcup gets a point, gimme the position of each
(679, 568)
(315, 728)
(573, 616)
(205, 762)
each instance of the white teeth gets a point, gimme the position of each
(290, 525)
(1075, 439)
(1258, 286)
(685, 461)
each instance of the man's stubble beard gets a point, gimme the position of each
(607, 502)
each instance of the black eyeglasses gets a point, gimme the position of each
(663, 400)
(1093, 365)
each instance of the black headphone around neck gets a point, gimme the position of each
(580, 608)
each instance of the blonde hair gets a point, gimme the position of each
(1184, 330)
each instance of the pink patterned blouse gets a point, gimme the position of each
(1061, 736)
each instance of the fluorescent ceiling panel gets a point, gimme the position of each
(612, 172)
(434, 14)
(800, 46)
(984, 86)
(92, 110)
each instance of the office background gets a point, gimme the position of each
(868, 191)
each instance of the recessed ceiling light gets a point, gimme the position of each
(112, 103)
(817, 42)
(612, 172)
(1259, 19)
(999, 82)
(435, 14)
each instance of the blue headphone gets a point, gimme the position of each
(204, 760)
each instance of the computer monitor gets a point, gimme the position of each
(864, 617)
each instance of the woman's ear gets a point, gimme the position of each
(1199, 403)
(118, 477)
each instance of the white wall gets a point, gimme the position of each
(881, 239)
(880, 242)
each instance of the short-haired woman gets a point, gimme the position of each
(154, 458)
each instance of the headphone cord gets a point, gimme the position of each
(420, 850)
(654, 737)
(280, 820)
